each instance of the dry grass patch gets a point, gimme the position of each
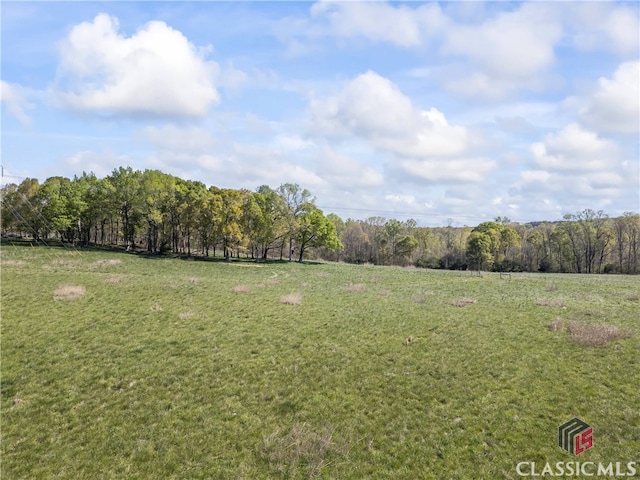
(242, 289)
(355, 287)
(302, 449)
(384, 293)
(156, 308)
(291, 299)
(323, 274)
(557, 325)
(595, 334)
(69, 292)
(543, 302)
(272, 282)
(376, 279)
(463, 302)
(185, 315)
(105, 263)
(552, 287)
(13, 263)
(633, 298)
(192, 279)
(114, 279)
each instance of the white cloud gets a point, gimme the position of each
(15, 98)
(345, 172)
(604, 26)
(173, 138)
(100, 163)
(379, 21)
(508, 52)
(449, 170)
(575, 149)
(373, 108)
(615, 106)
(156, 71)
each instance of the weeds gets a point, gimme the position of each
(595, 335)
(302, 449)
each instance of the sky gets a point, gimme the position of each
(444, 112)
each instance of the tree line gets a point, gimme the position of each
(160, 213)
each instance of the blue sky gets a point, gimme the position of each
(433, 111)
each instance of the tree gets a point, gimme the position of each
(315, 230)
(479, 250)
(295, 201)
(127, 189)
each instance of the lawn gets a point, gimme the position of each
(123, 366)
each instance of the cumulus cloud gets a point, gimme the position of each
(575, 149)
(15, 98)
(343, 171)
(155, 71)
(373, 108)
(379, 21)
(422, 143)
(615, 105)
(604, 26)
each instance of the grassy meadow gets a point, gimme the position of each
(123, 366)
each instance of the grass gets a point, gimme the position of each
(157, 376)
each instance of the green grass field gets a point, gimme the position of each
(121, 366)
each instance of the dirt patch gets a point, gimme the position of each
(69, 292)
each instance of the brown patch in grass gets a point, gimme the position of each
(13, 263)
(463, 302)
(113, 279)
(544, 302)
(69, 292)
(408, 341)
(291, 299)
(185, 315)
(302, 450)
(384, 293)
(242, 289)
(552, 287)
(633, 298)
(323, 274)
(419, 299)
(273, 281)
(355, 287)
(192, 279)
(376, 279)
(595, 334)
(557, 325)
(105, 263)
(156, 308)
